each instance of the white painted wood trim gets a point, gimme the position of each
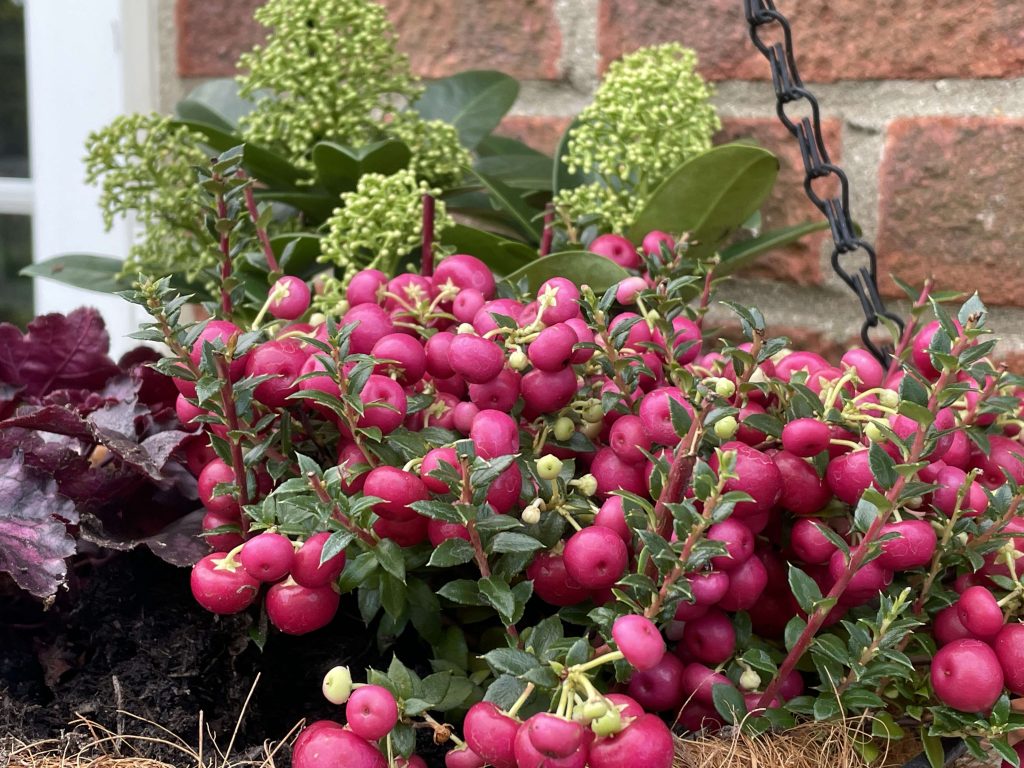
(16, 196)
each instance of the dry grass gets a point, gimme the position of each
(90, 745)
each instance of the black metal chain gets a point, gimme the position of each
(790, 88)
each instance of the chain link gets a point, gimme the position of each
(789, 88)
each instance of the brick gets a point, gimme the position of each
(834, 39)
(519, 37)
(542, 132)
(951, 192)
(787, 205)
(213, 33)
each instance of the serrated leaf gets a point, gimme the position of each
(463, 592)
(510, 541)
(499, 595)
(805, 589)
(505, 691)
(511, 661)
(883, 468)
(729, 702)
(451, 552)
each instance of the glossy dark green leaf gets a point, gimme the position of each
(710, 195)
(474, 102)
(500, 254)
(805, 589)
(505, 198)
(504, 145)
(215, 102)
(297, 254)
(317, 205)
(338, 168)
(744, 253)
(529, 172)
(82, 270)
(265, 164)
(729, 702)
(582, 267)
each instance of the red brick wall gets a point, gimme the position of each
(923, 101)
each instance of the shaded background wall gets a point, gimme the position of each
(923, 103)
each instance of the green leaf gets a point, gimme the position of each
(403, 739)
(739, 255)
(82, 270)
(509, 541)
(933, 748)
(1008, 753)
(729, 702)
(500, 254)
(317, 205)
(805, 589)
(864, 515)
(493, 146)
(499, 595)
(582, 267)
(505, 691)
(505, 198)
(462, 591)
(392, 595)
(511, 661)
(794, 629)
(529, 172)
(297, 253)
(451, 552)
(339, 168)
(217, 103)
(474, 102)
(710, 195)
(883, 468)
(973, 306)
(390, 556)
(400, 675)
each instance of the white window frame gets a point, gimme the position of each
(87, 62)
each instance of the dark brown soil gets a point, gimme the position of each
(129, 636)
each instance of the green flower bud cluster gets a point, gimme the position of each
(651, 113)
(144, 166)
(330, 297)
(330, 71)
(380, 223)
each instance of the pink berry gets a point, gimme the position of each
(1009, 649)
(628, 289)
(866, 583)
(566, 306)
(371, 712)
(746, 585)
(475, 358)
(218, 330)
(494, 434)
(298, 610)
(629, 439)
(738, 540)
(552, 348)
(809, 543)
(463, 757)
(645, 742)
(293, 300)
(654, 240)
(365, 287)
(371, 324)
(268, 556)
(467, 304)
(947, 627)
(612, 516)
(614, 474)
(595, 557)
(869, 370)
(980, 613)
(711, 638)
(913, 548)
(283, 359)
(585, 334)
(849, 476)
(491, 734)
(186, 411)
(331, 746)
(659, 688)
(438, 531)
(552, 582)
(221, 542)
(432, 461)
(465, 271)
(221, 586)
(398, 490)
(805, 437)
(500, 393)
(639, 640)
(548, 391)
(217, 472)
(385, 403)
(656, 414)
(966, 675)
(803, 491)
(708, 587)
(404, 357)
(757, 475)
(463, 415)
(553, 736)
(618, 249)
(436, 355)
(307, 568)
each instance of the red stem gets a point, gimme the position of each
(237, 460)
(254, 214)
(337, 514)
(427, 268)
(909, 328)
(860, 552)
(549, 230)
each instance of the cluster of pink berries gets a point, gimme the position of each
(523, 378)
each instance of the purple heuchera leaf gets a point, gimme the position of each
(33, 528)
(57, 352)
